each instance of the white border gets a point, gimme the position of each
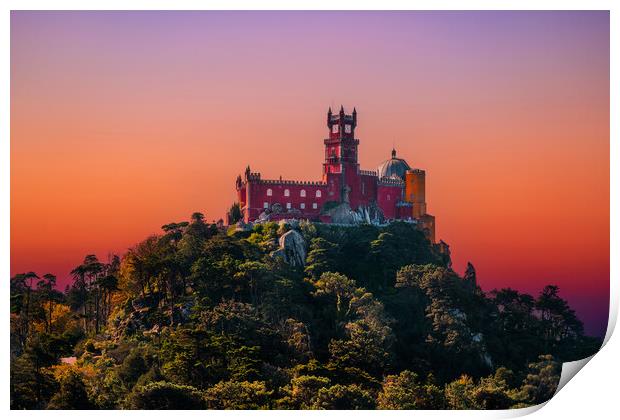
(594, 394)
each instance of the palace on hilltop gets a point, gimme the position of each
(345, 194)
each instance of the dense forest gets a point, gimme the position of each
(204, 317)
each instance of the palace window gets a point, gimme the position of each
(315, 206)
(302, 193)
(335, 128)
(347, 128)
(287, 193)
(302, 206)
(318, 193)
(269, 192)
(265, 205)
(288, 205)
(388, 197)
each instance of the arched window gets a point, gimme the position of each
(265, 205)
(388, 197)
(302, 193)
(287, 193)
(288, 205)
(269, 192)
(302, 206)
(314, 206)
(318, 193)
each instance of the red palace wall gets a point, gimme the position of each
(257, 195)
(364, 189)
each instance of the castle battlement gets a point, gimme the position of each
(292, 182)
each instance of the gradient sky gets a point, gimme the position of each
(124, 121)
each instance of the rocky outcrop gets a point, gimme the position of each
(292, 248)
(343, 214)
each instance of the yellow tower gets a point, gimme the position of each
(415, 192)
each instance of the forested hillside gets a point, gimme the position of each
(199, 317)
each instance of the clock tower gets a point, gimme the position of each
(341, 145)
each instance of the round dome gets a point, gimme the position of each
(393, 168)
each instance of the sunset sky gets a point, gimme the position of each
(124, 121)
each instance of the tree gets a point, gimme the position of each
(321, 258)
(165, 396)
(71, 395)
(405, 392)
(234, 214)
(304, 390)
(255, 274)
(27, 280)
(343, 397)
(46, 288)
(541, 382)
(233, 395)
(21, 303)
(338, 286)
(460, 394)
(31, 386)
(559, 320)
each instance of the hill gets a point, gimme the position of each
(306, 316)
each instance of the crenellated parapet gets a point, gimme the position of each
(292, 182)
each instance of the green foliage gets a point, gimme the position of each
(541, 382)
(31, 386)
(322, 257)
(195, 318)
(234, 213)
(233, 395)
(303, 391)
(343, 397)
(165, 396)
(71, 395)
(405, 392)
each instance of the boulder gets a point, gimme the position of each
(292, 248)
